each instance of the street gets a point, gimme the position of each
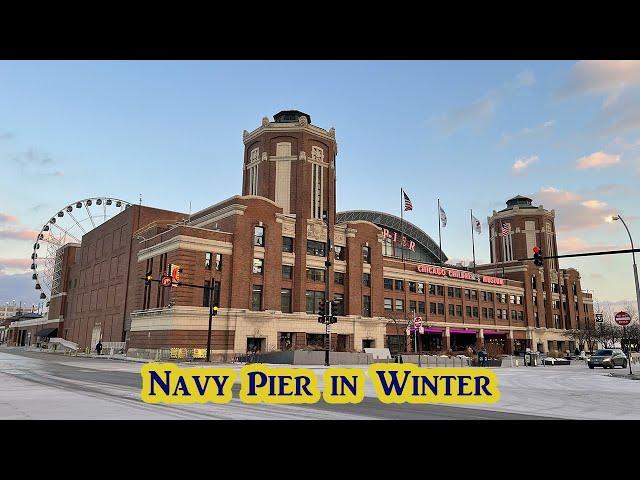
(40, 385)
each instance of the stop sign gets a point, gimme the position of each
(417, 322)
(166, 281)
(623, 318)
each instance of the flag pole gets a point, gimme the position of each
(402, 226)
(473, 243)
(439, 234)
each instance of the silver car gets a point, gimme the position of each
(608, 358)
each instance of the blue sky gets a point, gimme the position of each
(470, 133)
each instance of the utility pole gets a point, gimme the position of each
(327, 301)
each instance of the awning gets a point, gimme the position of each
(46, 332)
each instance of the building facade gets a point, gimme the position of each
(271, 254)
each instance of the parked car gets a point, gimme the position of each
(608, 358)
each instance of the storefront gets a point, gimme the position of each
(461, 339)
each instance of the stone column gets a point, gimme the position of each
(510, 342)
(481, 337)
(447, 339)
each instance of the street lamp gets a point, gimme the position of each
(635, 273)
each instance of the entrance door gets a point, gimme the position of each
(255, 343)
(96, 335)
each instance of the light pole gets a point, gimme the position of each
(635, 274)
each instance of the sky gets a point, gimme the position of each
(470, 133)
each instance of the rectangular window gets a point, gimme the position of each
(206, 293)
(388, 284)
(421, 306)
(258, 236)
(554, 287)
(256, 298)
(489, 297)
(413, 287)
(467, 293)
(468, 309)
(366, 279)
(499, 314)
(533, 282)
(258, 266)
(412, 306)
(399, 285)
(218, 262)
(313, 300)
(399, 305)
(207, 261)
(316, 249)
(441, 309)
(513, 314)
(287, 244)
(535, 316)
(340, 252)
(512, 299)
(458, 292)
(475, 312)
(420, 287)
(285, 300)
(432, 289)
(339, 299)
(474, 295)
(452, 310)
(287, 272)
(338, 278)
(432, 308)
(450, 291)
(315, 275)
(366, 306)
(366, 255)
(520, 316)
(490, 312)
(484, 312)
(439, 290)
(458, 310)
(388, 304)
(483, 296)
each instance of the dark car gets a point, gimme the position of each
(608, 358)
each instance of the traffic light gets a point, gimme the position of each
(334, 310)
(537, 257)
(148, 277)
(321, 312)
(215, 310)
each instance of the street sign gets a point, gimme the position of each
(623, 318)
(417, 322)
(166, 281)
(599, 317)
(421, 329)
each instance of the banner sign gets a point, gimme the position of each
(461, 274)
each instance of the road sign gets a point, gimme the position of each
(421, 329)
(599, 317)
(623, 318)
(417, 322)
(166, 281)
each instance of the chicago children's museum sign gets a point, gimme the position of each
(461, 274)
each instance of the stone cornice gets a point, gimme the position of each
(217, 215)
(185, 242)
(272, 127)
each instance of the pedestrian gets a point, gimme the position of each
(99, 347)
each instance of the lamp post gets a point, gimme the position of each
(635, 268)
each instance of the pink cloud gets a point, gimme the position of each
(597, 160)
(19, 234)
(602, 77)
(573, 211)
(579, 245)
(6, 218)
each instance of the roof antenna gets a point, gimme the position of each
(189, 211)
(140, 199)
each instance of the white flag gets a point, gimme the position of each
(476, 224)
(443, 217)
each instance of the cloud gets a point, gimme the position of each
(38, 207)
(21, 264)
(24, 234)
(507, 137)
(480, 111)
(598, 77)
(20, 288)
(6, 218)
(594, 204)
(34, 162)
(579, 245)
(573, 211)
(6, 136)
(597, 160)
(522, 164)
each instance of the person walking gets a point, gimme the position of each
(99, 347)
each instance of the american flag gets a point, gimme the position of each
(506, 229)
(407, 202)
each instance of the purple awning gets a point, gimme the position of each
(457, 330)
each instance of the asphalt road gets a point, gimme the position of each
(39, 385)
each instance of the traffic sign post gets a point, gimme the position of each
(623, 319)
(599, 318)
(166, 281)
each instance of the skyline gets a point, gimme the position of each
(563, 133)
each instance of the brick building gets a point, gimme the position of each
(264, 252)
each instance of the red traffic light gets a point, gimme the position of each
(536, 250)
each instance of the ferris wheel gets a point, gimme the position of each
(67, 226)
